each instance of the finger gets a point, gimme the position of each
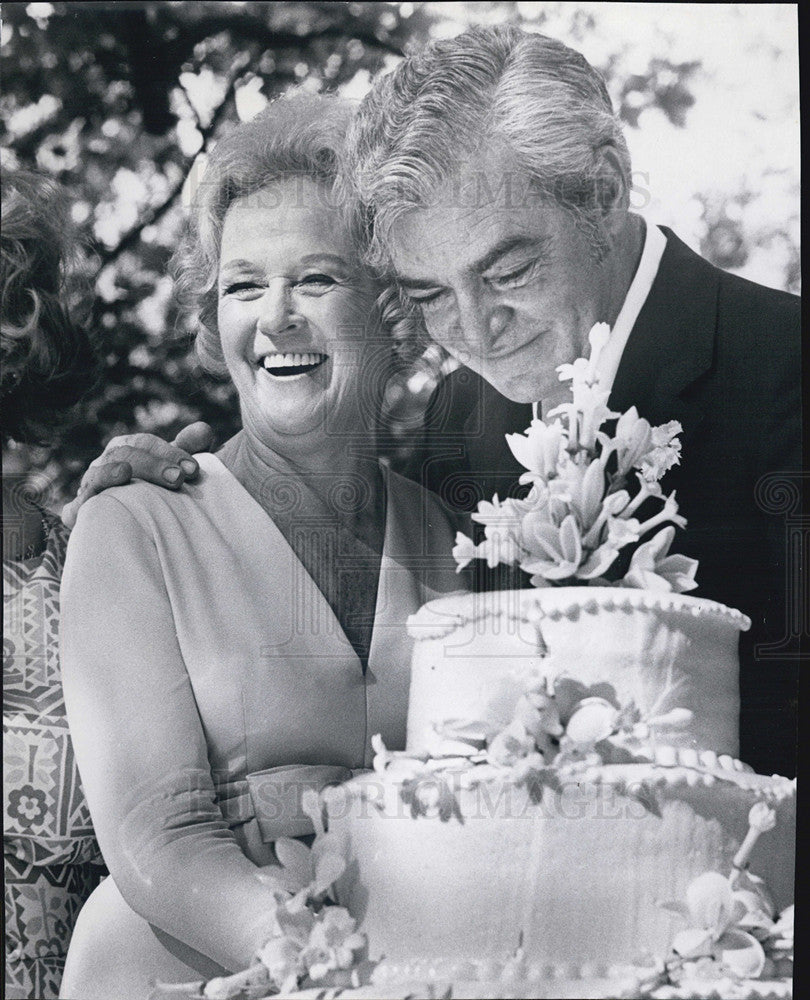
(102, 477)
(149, 443)
(169, 469)
(153, 454)
(194, 438)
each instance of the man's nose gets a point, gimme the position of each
(485, 324)
(277, 314)
(500, 321)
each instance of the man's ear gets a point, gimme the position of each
(613, 189)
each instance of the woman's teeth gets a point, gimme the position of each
(290, 365)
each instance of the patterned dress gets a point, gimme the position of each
(51, 859)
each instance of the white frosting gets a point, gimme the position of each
(473, 653)
(567, 878)
(574, 878)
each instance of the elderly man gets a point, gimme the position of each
(493, 183)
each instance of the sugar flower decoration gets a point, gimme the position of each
(588, 489)
(731, 928)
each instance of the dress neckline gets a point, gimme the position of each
(213, 465)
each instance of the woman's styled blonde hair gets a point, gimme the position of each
(298, 135)
(301, 135)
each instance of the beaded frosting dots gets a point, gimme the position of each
(443, 616)
(587, 492)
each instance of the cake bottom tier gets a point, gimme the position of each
(572, 877)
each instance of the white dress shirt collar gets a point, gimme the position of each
(654, 245)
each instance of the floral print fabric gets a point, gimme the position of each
(51, 859)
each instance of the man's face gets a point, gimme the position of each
(506, 282)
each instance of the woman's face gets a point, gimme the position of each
(294, 309)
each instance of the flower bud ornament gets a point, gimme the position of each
(593, 719)
(761, 818)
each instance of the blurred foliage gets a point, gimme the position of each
(118, 100)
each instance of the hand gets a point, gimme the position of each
(142, 456)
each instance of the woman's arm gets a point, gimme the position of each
(141, 747)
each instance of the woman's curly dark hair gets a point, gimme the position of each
(48, 361)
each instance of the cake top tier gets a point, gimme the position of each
(642, 654)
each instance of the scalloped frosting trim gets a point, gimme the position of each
(423, 624)
(618, 980)
(772, 790)
(671, 756)
(617, 983)
(749, 989)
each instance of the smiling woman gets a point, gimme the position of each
(254, 623)
(294, 310)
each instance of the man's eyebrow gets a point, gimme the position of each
(326, 258)
(539, 244)
(235, 264)
(415, 284)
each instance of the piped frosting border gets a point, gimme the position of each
(442, 616)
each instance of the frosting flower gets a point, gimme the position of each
(632, 441)
(304, 873)
(594, 719)
(463, 551)
(665, 451)
(538, 450)
(713, 913)
(761, 818)
(456, 738)
(559, 549)
(510, 745)
(579, 513)
(333, 943)
(280, 956)
(651, 566)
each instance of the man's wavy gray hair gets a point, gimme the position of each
(457, 96)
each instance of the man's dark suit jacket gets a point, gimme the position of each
(722, 355)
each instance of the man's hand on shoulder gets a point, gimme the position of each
(142, 456)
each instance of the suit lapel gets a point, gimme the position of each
(672, 343)
(496, 468)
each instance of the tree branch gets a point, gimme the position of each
(255, 31)
(157, 212)
(244, 26)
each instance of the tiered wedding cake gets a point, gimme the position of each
(568, 818)
(570, 777)
(477, 858)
